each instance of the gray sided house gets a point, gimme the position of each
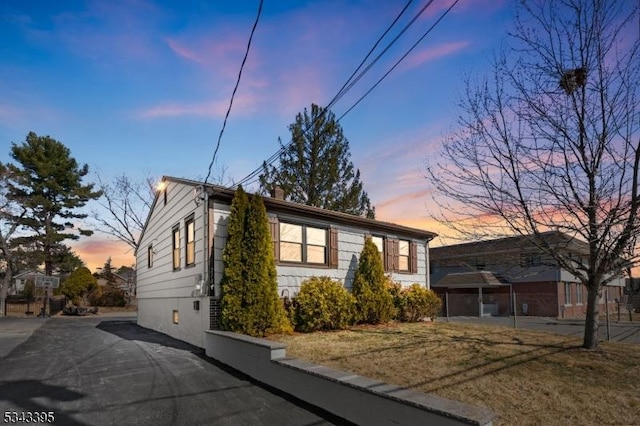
(479, 278)
(179, 256)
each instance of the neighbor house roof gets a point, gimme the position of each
(274, 205)
(28, 274)
(472, 279)
(511, 245)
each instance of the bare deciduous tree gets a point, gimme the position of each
(126, 204)
(551, 141)
(8, 227)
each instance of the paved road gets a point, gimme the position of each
(109, 371)
(624, 331)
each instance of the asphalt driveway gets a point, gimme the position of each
(109, 371)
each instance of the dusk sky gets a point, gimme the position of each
(141, 87)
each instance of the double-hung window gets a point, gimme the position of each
(567, 293)
(191, 241)
(403, 255)
(303, 243)
(176, 246)
(579, 300)
(397, 255)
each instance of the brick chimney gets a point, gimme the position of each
(277, 193)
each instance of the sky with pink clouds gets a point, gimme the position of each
(141, 86)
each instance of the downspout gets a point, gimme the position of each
(205, 263)
(428, 268)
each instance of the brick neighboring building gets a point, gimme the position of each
(479, 278)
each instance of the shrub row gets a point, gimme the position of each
(324, 304)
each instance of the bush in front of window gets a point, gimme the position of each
(418, 302)
(323, 304)
(249, 300)
(374, 303)
(260, 277)
(232, 315)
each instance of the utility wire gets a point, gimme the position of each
(386, 49)
(401, 59)
(344, 89)
(244, 60)
(346, 86)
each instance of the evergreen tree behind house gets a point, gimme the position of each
(315, 168)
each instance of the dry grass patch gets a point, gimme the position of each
(525, 377)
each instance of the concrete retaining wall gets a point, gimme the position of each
(157, 314)
(354, 398)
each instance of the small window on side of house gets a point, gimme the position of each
(176, 246)
(190, 237)
(150, 256)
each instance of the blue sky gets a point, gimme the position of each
(141, 86)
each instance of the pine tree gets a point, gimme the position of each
(47, 182)
(373, 301)
(315, 168)
(232, 285)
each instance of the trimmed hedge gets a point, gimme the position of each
(323, 304)
(417, 302)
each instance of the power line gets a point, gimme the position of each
(244, 60)
(386, 49)
(347, 85)
(401, 59)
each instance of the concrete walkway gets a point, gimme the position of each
(624, 331)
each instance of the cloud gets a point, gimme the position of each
(432, 53)
(219, 52)
(404, 198)
(184, 51)
(244, 104)
(95, 251)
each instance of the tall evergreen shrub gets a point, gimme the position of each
(374, 302)
(249, 302)
(267, 311)
(233, 314)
